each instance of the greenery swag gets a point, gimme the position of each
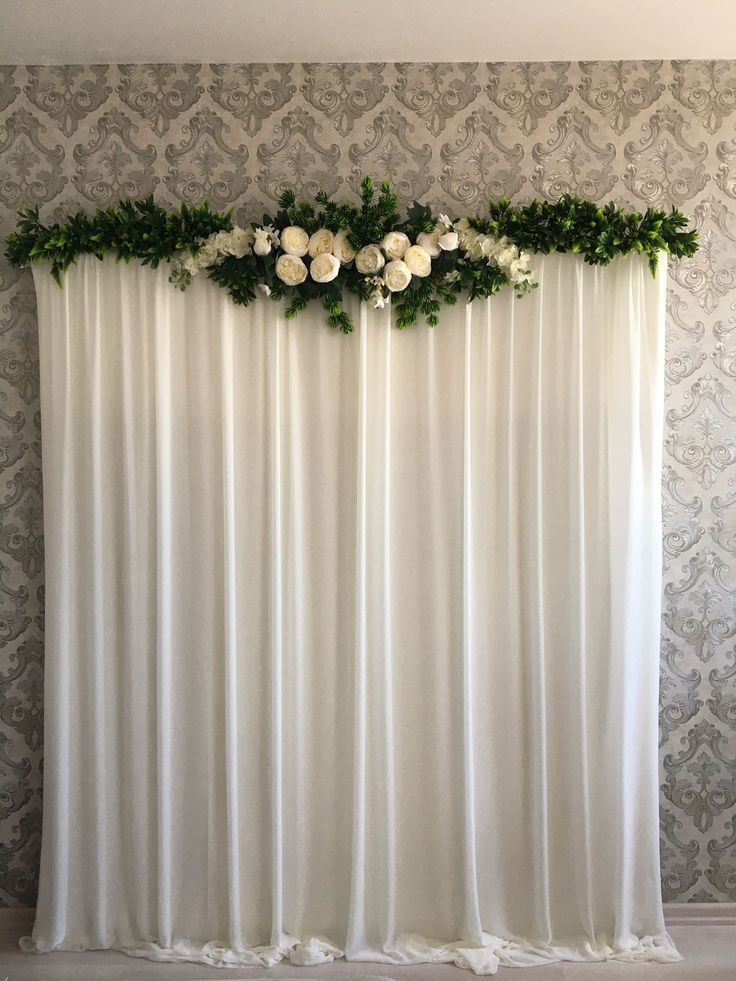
(323, 250)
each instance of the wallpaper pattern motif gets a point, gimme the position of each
(452, 135)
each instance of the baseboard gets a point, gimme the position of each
(20, 920)
(700, 914)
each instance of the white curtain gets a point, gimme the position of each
(352, 642)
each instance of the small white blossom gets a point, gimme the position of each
(264, 288)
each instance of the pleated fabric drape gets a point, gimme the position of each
(352, 642)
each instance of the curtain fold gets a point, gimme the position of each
(352, 642)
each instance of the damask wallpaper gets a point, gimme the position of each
(451, 134)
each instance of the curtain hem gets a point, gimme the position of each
(481, 959)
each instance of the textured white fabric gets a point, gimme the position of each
(352, 642)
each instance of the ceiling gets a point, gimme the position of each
(137, 31)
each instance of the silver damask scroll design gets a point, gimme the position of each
(31, 169)
(706, 88)
(620, 90)
(68, 93)
(436, 92)
(112, 165)
(389, 153)
(701, 778)
(528, 91)
(344, 93)
(678, 695)
(722, 871)
(703, 436)
(664, 168)
(479, 165)
(571, 162)
(297, 158)
(678, 856)
(204, 165)
(159, 93)
(252, 93)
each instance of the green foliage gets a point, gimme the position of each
(147, 232)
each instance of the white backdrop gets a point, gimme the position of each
(352, 642)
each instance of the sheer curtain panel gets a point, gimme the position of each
(352, 642)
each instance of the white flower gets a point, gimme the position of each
(324, 267)
(397, 275)
(342, 248)
(430, 241)
(452, 277)
(504, 256)
(445, 222)
(294, 240)
(519, 270)
(190, 265)
(449, 241)
(262, 244)
(320, 241)
(264, 288)
(290, 269)
(395, 244)
(369, 260)
(207, 255)
(418, 261)
(377, 299)
(239, 242)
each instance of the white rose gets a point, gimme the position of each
(430, 241)
(238, 242)
(324, 267)
(290, 269)
(295, 240)
(418, 261)
(369, 260)
(397, 275)
(342, 248)
(395, 244)
(449, 241)
(262, 244)
(320, 242)
(504, 257)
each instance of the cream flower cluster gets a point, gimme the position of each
(388, 266)
(237, 242)
(500, 252)
(404, 259)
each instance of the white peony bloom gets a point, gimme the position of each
(342, 248)
(449, 241)
(262, 244)
(418, 261)
(395, 244)
(320, 242)
(190, 265)
(430, 241)
(207, 255)
(264, 288)
(369, 260)
(239, 242)
(290, 269)
(505, 256)
(397, 275)
(294, 240)
(324, 267)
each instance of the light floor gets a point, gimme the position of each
(709, 952)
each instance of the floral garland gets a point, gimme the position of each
(306, 252)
